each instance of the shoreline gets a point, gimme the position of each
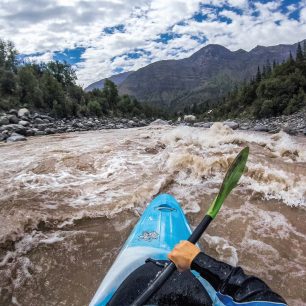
(18, 125)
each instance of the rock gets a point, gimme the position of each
(304, 132)
(14, 128)
(50, 131)
(30, 132)
(244, 126)
(78, 125)
(142, 123)
(89, 124)
(38, 120)
(261, 128)
(289, 130)
(46, 117)
(120, 126)
(23, 112)
(231, 124)
(2, 137)
(24, 123)
(13, 112)
(16, 137)
(131, 123)
(190, 118)
(4, 120)
(40, 133)
(274, 131)
(13, 119)
(159, 122)
(205, 125)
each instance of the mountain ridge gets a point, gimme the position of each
(207, 74)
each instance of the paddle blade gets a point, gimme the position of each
(230, 181)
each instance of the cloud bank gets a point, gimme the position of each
(103, 37)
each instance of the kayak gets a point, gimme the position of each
(162, 225)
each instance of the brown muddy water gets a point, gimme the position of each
(68, 202)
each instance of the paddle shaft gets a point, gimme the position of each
(167, 272)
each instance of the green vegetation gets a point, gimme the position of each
(52, 88)
(276, 89)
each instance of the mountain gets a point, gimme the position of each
(206, 75)
(117, 79)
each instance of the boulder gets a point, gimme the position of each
(13, 119)
(46, 117)
(13, 112)
(304, 132)
(24, 123)
(231, 124)
(16, 137)
(261, 128)
(289, 130)
(50, 131)
(159, 122)
(40, 133)
(30, 132)
(14, 128)
(4, 120)
(2, 137)
(142, 123)
(244, 126)
(23, 112)
(38, 120)
(131, 123)
(206, 125)
(190, 118)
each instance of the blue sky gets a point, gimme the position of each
(105, 37)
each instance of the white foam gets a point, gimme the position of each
(225, 251)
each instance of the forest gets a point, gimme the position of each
(51, 88)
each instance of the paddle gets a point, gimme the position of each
(230, 181)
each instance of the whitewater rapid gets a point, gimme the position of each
(68, 202)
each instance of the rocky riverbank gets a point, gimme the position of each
(18, 125)
(294, 124)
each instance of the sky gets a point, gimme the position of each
(105, 37)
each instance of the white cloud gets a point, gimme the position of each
(60, 24)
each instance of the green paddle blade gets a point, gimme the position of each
(230, 181)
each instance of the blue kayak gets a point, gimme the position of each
(162, 225)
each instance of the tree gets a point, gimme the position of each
(258, 75)
(299, 54)
(63, 72)
(94, 108)
(111, 93)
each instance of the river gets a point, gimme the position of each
(69, 201)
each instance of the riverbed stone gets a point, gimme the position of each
(13, 112)
(38, 120)
(40, 133)
(14, 128)
(4, 120)
(261, 128)
(13, 119)
(15, 137)
(159, 122)
(231, 124)
(23, 112)
(24, 123)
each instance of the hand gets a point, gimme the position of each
(183, 254)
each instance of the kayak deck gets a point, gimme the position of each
(162, 225)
